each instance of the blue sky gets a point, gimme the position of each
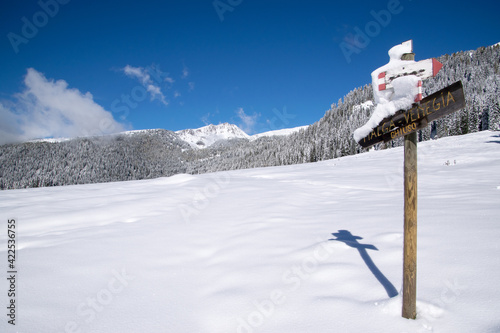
(72, 67)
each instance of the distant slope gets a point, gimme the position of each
(280, 132)
(140, 155)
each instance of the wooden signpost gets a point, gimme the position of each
(406, 123)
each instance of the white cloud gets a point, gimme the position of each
(185, 72)
(247, 122)
(48, 108)
(169, 80)
(9, 126)
(206, 119)
(137, 72)
(145, 79)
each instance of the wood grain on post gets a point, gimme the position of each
(410, 222)
(410, 227)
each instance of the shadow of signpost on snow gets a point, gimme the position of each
(346, 237)
(494, 141)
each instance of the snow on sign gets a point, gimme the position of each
(435, 106)
(397, 89)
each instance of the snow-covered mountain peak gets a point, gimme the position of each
(207, 135)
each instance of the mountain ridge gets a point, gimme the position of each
(198, 138)
(206, 136)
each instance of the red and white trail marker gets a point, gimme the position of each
(423, 69)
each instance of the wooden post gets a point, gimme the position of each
(410, 222)
(410, 228)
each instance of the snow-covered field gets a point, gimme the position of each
(263, 250)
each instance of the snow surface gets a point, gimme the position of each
(252, 250)
(389, 101)
(280, 132)
(134, 132)
(50, 140)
